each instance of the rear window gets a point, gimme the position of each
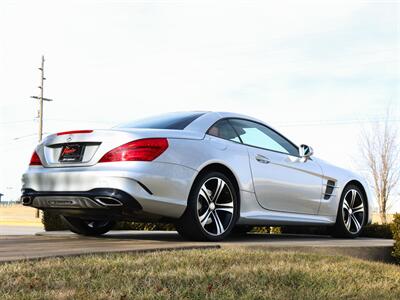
(177, 120)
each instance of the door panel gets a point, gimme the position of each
(285, 183)
(282, 181)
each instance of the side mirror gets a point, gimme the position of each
(306, 151)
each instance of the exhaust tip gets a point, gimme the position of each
(26, 200)
(108, 201)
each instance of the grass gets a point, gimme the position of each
(18, 215)
(200, 274)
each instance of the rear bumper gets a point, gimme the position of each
(150, 187)
(102, 202)
(101, 198)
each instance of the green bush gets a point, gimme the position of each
(382, 231)
(395, 226)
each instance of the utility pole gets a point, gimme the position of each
(41, 99)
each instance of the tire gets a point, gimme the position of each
(88, 227)
(212, 210)
(352, 213)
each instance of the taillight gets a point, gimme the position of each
(139, 150)
(35, 160)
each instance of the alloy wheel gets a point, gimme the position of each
(353, 211)
(215, 206)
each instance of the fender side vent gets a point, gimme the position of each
(330, 187)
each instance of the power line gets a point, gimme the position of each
(55, 120)
(16, 122)
(27, 136)
(331, 122)
(83, 121)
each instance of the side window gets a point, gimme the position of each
(224, 130)
(258, 135)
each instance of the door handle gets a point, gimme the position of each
(262, 159)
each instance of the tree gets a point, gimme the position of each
(381, 154)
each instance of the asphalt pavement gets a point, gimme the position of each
(63, 243)
(19, 229)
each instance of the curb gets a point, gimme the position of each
(106, 252)
(373, 253)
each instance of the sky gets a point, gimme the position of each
(318, 71)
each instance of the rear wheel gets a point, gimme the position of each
(212, 209)
(89, 227)
(352, 214)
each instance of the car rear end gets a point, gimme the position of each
(119, 173)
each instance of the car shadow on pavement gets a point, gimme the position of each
(174, 236)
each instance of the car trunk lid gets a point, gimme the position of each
(86, 147)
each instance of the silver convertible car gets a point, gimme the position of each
(210, 173)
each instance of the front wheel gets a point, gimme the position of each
(89, 227)
(352, 213)
(212, 209)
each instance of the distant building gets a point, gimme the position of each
(1, 196)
